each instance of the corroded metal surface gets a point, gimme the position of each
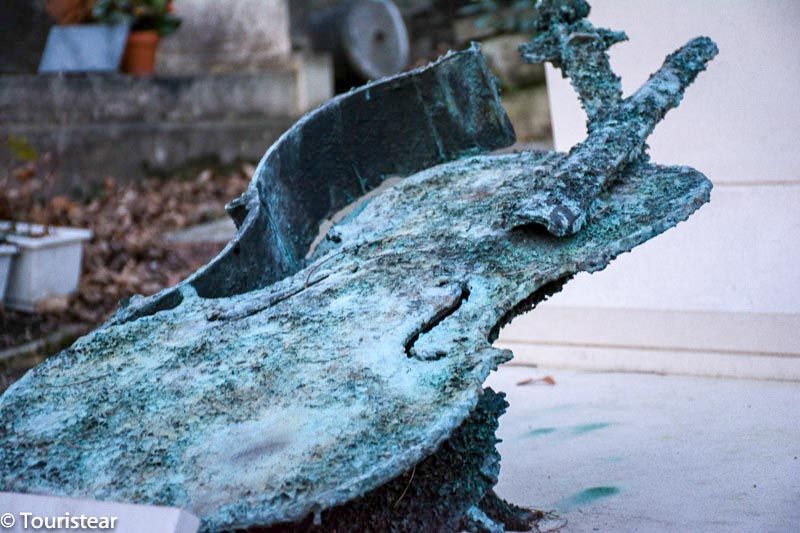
(332, 156)
(311, 392)
(314, 399)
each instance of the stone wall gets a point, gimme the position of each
(94, 126)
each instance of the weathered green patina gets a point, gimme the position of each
(344, 390)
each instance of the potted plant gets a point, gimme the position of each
(47, 265)
(149, 20)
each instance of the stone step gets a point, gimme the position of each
(99, 125)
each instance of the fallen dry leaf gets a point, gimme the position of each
(547, 380)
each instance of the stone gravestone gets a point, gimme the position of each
(235, 35)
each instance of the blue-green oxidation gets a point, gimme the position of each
(583, 429)
(580, 429)
(344, 390)
(587, 497)
(540, 432)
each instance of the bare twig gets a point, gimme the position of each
(413, 470)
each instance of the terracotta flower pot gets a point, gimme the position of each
(140, 53)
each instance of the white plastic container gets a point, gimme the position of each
(44, 267)
(7, 252)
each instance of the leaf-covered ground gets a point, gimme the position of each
(128, 253)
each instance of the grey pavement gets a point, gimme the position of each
(642, 452)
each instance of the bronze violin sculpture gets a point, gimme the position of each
(341, 389)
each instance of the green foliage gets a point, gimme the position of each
(504, 16)
(140, 14)
(22, 149)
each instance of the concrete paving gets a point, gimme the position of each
(642, 452)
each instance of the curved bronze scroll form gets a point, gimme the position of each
(618, 128)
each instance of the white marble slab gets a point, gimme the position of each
(735, 261)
